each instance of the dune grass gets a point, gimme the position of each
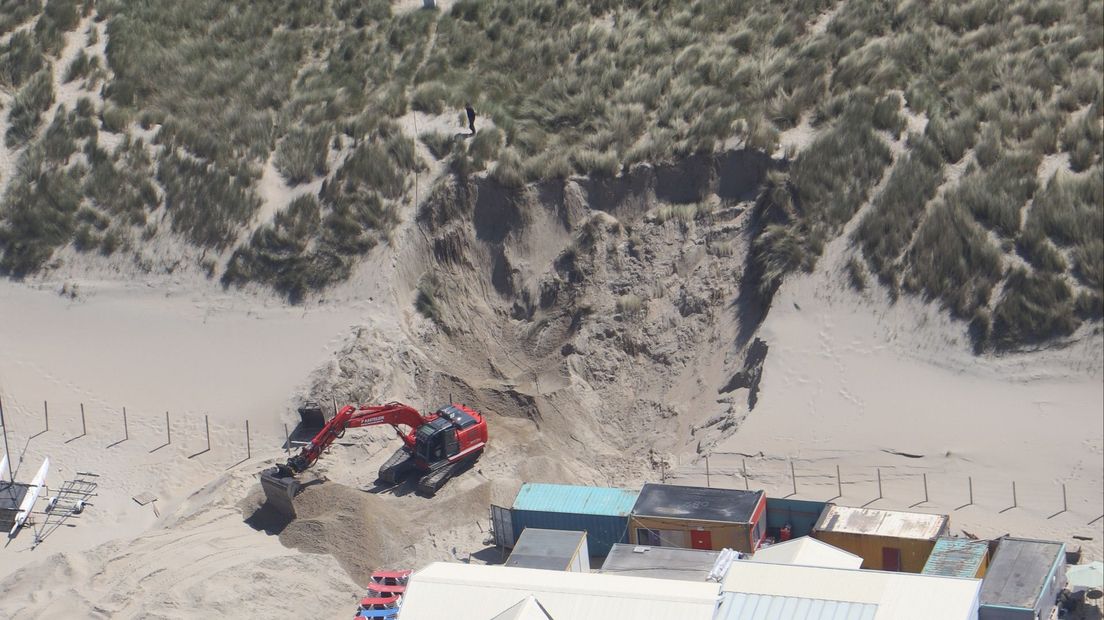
(582, 87)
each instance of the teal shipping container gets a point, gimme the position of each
(601, 512)
(800, 515)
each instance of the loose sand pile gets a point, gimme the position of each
(358, 529)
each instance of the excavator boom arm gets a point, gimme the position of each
(396, 414)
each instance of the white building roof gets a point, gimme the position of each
(526, 609)
(898, 596)
(477, 592)
(874, 522)
(807, 551)
(739, 606)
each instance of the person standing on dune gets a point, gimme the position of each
(471, 117)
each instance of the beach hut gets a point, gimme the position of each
(551, 550)
(603, 513)
(889, 540)
(667, 515)
(958, 557)
(1023, 580)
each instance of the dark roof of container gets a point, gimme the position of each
(550, 549)
(1018, 573)
(669, 501)
(956, 557)
(564, 498)
(660, 562)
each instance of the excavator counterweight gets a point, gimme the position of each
(437, 446)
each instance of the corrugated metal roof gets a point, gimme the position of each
(739, 606)
(477, 592)
(889, 523)
(898, 596)
(956, 557)
(575, 499)
(808, 551)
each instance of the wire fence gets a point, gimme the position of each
(116, 426)
(1077, 502)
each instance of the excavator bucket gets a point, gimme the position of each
(311, 416)
(280, 491)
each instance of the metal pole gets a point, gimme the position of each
(46, 410)
(126, 428)
(7, 451)
(793, 477)
(839, 483)
(207, 426)
(707, 472)
(168, 429)
(287, 441)
(747, 486)
(925, 487)
(1065, 507)
(1014, 502)
(248, 450)
(879, 482)
(84, 427)
(971, 479)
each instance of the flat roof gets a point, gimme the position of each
(1018, 573)
(669, 501)
(566, 498)
(899, 596)
(660, 562)
(547, 549)
(956, 557)
(807, 551)
(874, 522)
(477, 592)
(740, 606)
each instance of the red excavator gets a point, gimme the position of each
(437, 446)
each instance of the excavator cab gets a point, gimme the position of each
(436, 441)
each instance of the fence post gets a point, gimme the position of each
(7, 451)
(793, 477)
(707, 472)
(1065, 506)
(925, 487)
(207, 427)
(879, 482)
(46, 411)
(248, 449)
(84, 427)
(126, 427)
(1014, 502)
(287, 441)
(168, 430)
(839, 483)
(971, 479)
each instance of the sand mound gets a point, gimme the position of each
(359, 529)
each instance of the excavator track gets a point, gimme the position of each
(400, 463)
(434, 480)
